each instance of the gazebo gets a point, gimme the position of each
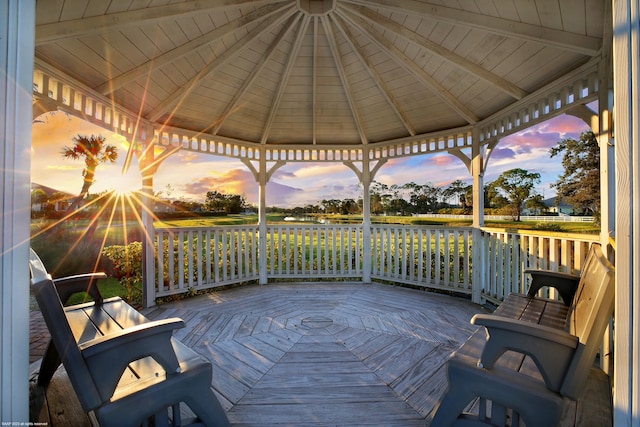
(359, 82)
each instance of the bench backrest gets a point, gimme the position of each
(589, 316)
(61, 334)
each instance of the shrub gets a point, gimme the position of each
(127, 267)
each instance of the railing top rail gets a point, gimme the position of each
(541, 233)
(423, 226)
(174, 229)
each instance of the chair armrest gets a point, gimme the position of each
(565, 283)
(67, 286)
(108, 356)
(550, 349)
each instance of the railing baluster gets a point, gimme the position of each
(171, 250)
(434, 257)
(160, 262)
(208, 254)
(199, 257)
(216, 254)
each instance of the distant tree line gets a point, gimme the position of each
(510, 193)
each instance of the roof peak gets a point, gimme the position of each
(316, 7)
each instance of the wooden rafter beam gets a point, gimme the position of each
(255, 72)
(174, 54)
(333, 47)
(405, 62)
(582, 44)
(285, 78)
(464, 64)
(382, 86)
(314, 88)
(178, 96)
(47, 33)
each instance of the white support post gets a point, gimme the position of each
(477, 169)
(148, 244)
(626, 78)
(262, 219)
(17, 37)
(366, 216)
(602, 127)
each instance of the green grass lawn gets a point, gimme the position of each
(66, 250)
(566, 227)
(109, 287)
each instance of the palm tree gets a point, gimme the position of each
(94, 151)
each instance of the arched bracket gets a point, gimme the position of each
(462, 156)
(42, 106)
(585, 114)
(351, 165)
(468, 161)
(592, 119)
(149, 168)
(256, 173)
(148, 161)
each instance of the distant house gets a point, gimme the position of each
(163, 206)
(60, 204)
(561, 208)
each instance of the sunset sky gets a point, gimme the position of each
(191, 175)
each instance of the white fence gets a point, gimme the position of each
(534, 218)
(434, 257)
(440, 258)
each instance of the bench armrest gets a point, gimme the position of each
(565, 283)
(108, 356)
(67, 286)
(550, 349)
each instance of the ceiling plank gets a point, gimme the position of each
(47, 33)
(285, 78)
(384, 89)
(387, 24)
(144, 69)
(178, 96)
(255, 72)
(333, 46)
(314, 88)
(582, 44)
(401, 59)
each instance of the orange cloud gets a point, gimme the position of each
(235, 181)
(63, 167)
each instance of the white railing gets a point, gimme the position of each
(506, 255)
(199, 258)
(536, 218)
(314, 251)
(433, 257)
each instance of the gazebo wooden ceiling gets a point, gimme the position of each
(317, 72)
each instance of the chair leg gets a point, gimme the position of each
(457, 397)
(536, 405)
(193, 387)
(205, 404)
(50, 363)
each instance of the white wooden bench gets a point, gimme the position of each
(523, 362)
(125, 369)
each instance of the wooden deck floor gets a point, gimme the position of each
(324, 354)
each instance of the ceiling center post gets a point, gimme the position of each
(316, 7)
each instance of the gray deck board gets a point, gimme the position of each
(324, 354)
(327, 354)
